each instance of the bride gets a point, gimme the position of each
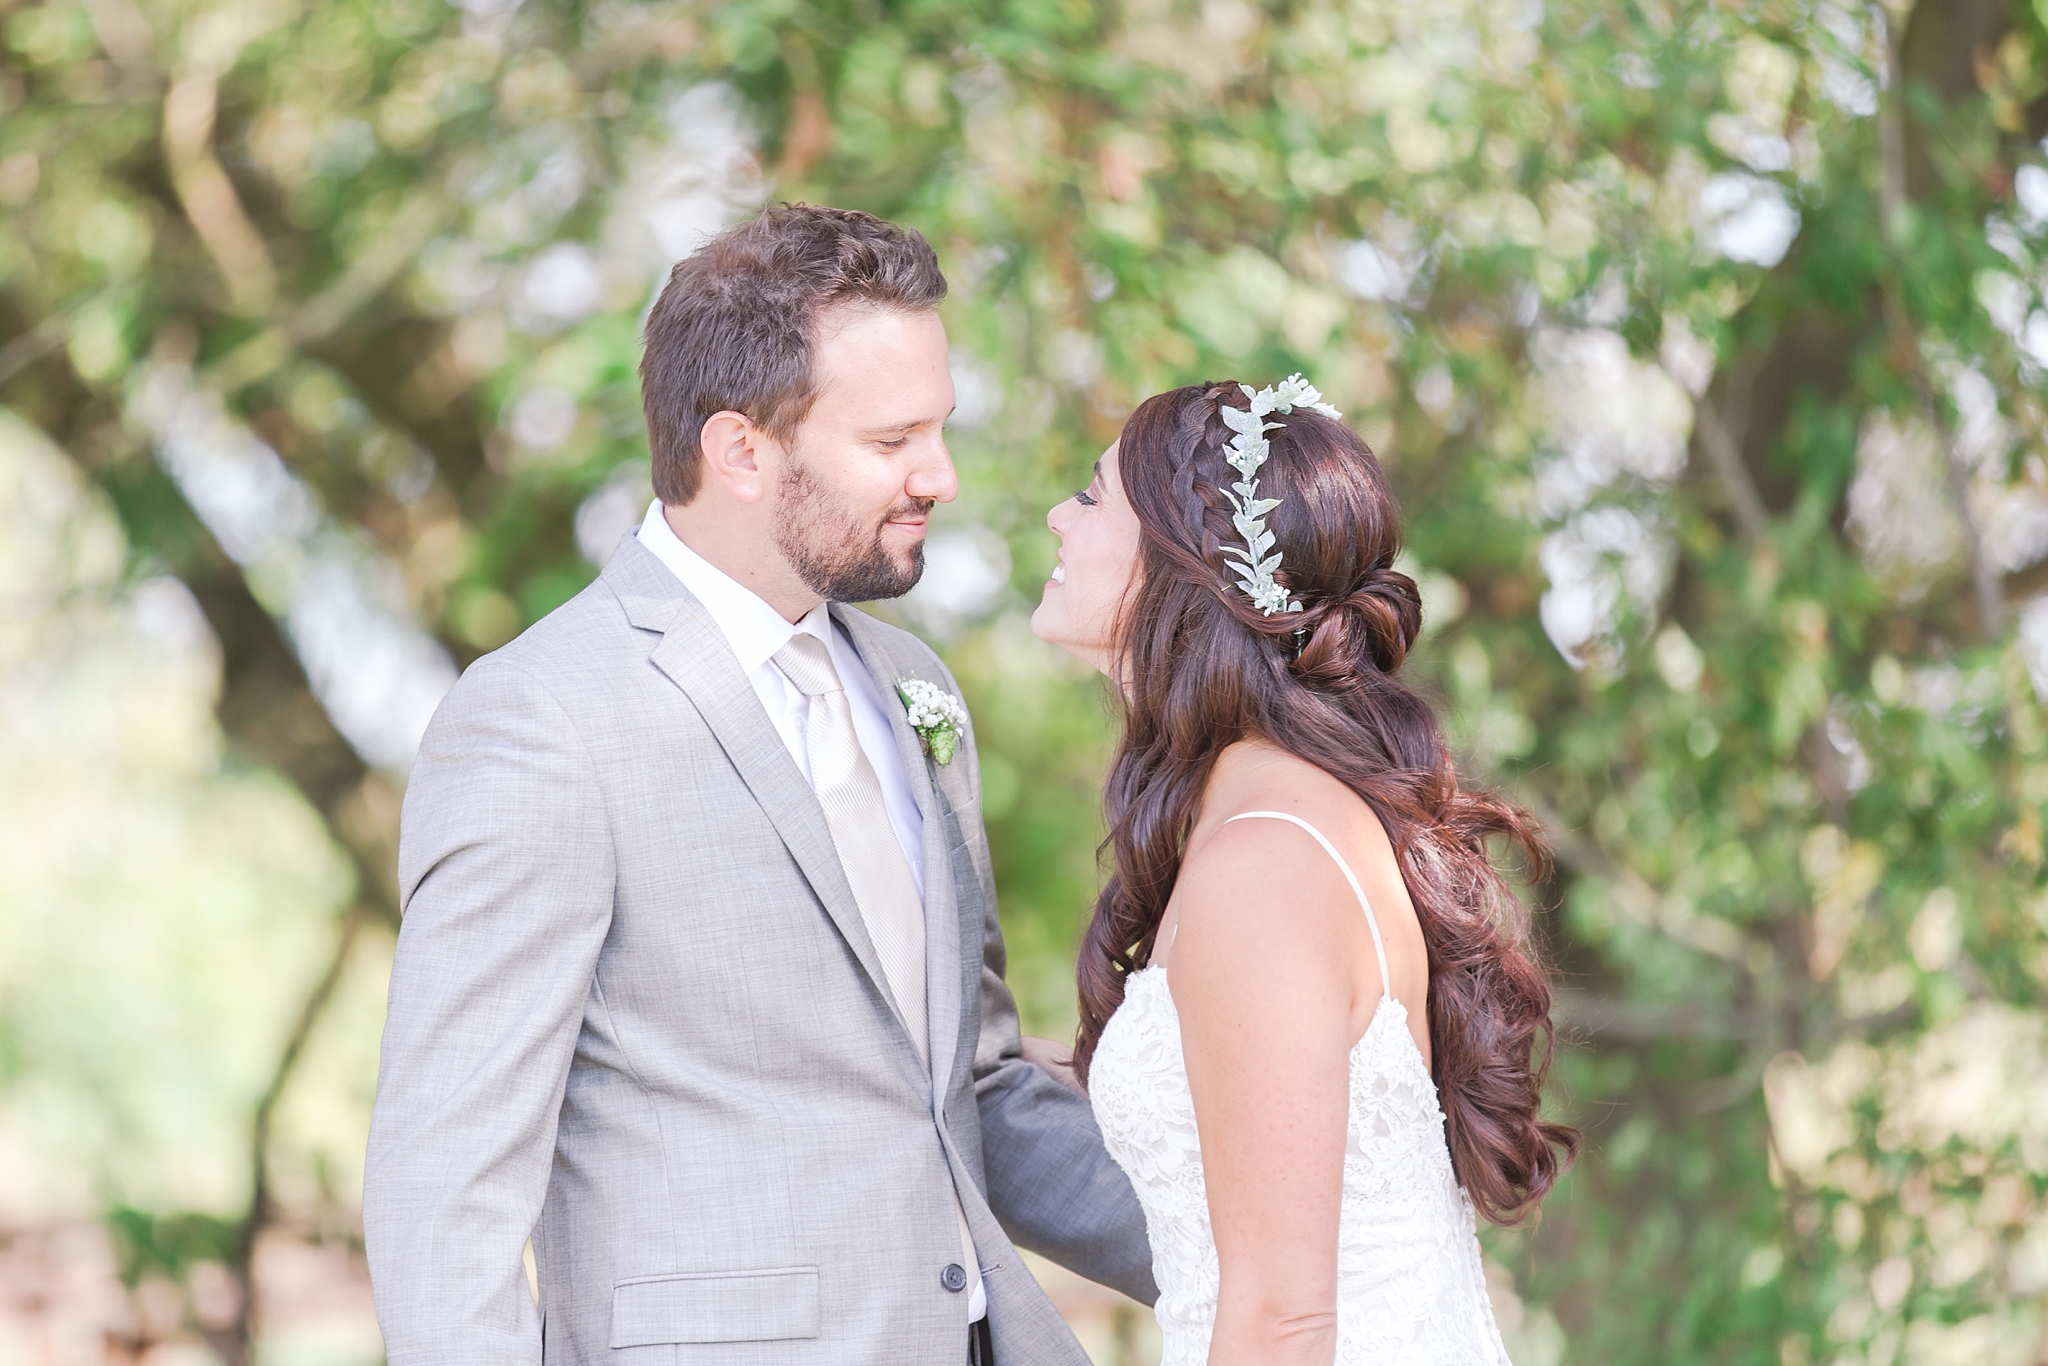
(1310, 1028)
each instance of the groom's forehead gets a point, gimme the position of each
(856, 326)
(885, 370)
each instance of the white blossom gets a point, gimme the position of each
(929, 706)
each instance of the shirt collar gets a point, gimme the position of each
(753, 628)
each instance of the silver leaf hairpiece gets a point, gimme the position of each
(1246, 452)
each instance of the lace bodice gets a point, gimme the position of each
(1410, 1289)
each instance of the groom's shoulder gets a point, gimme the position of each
(584, 636)
(590, 624)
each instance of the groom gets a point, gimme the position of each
(699, 984)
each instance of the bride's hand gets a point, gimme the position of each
(1056, 1060)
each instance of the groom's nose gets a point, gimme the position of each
(934, 478)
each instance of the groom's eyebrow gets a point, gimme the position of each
(907, 425)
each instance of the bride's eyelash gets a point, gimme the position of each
(1084, 498)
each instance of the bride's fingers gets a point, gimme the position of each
(1047, 1052)
(1056, 1060)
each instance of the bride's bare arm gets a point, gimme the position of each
(1264, 972)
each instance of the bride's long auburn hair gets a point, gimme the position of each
(1202, 669)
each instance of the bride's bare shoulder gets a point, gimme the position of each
(1257, 775)
(1259, 907)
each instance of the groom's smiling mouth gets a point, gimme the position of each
(909, 518)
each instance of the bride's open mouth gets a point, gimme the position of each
(1059, 572)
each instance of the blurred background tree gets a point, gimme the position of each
(1704, 343)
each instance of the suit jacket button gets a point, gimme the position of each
(954, 1277)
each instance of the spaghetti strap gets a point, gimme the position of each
(1371, 920)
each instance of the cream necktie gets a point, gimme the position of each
(869, 851)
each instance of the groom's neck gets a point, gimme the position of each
(743, 548)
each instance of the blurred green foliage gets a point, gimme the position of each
(1703, 343)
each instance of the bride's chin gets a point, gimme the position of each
(1040, 627)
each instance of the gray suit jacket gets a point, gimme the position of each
(635, 1015)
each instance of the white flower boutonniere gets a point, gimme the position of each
(935, 714)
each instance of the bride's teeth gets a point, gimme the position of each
(1059, 573)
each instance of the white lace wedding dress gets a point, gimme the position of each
(1410, 1289)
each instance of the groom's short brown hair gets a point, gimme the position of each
(735, 324)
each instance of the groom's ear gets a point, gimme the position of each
(737, 455)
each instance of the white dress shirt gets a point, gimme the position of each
(756, 631)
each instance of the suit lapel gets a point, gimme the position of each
(694, 654)
(941, 907)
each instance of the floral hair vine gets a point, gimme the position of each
(1246, 452)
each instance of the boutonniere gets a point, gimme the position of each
(935, 714)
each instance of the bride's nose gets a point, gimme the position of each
(1054, 518)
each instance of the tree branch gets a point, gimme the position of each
(1722, 428)
(209, 197)
(1893, 189)
(1638, 1022)
(327, 312)
(259, 1211)
(1985, 578)
(1636, 898)
(31, 346)
(1891, 131)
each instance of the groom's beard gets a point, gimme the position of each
(839, 558)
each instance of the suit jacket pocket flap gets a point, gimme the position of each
(716, 1306)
